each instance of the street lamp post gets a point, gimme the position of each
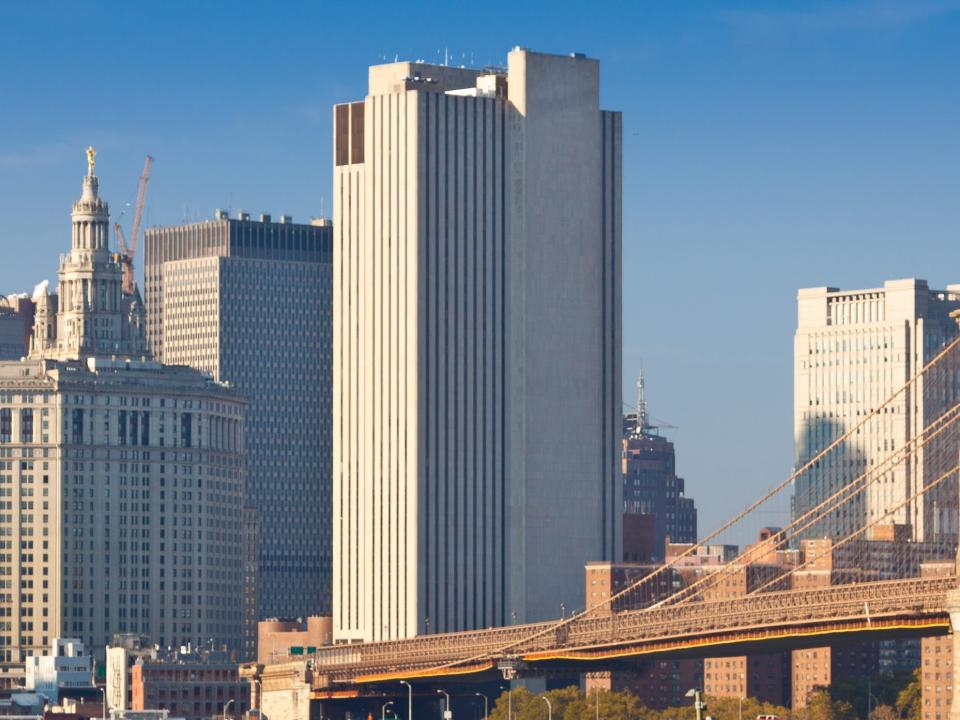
(486, 705)
(103, 695)
(740, 698)
(446, 713)
(383, 710)
(409, 699)
(698, 704)
(549, 707)
(871, 698)
(228, 704)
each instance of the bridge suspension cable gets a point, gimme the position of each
(933, 364)
(814, 515)
(840, 498)
(857, 533)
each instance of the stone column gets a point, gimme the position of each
(953, 607)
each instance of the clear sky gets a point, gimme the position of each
(767, 146)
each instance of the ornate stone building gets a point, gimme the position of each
(93, 316)
(120, 478)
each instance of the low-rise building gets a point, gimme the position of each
(659, 683)
(758, 569)
(66, 671)
(196, 688)
(142, 715)
(886, 552)
(189, 683)
(705, 555)
(936, 661)
(282, 640)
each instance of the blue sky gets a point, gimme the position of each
(767, 146)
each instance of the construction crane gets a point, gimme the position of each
(128, 252)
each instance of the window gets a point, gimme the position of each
(26, 425)
(77, 426)
(186, 429)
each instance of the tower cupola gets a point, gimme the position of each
(91, 214)
(92, 315)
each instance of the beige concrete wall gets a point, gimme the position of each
(286, 692)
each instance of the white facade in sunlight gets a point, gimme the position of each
(853, 350)
(476, 345)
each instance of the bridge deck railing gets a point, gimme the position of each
(785, 608)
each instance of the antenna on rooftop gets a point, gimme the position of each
(645, 424)
(643, 421)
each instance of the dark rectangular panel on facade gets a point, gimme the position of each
(341, 133)
(356, 132)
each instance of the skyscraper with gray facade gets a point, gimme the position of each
(249, 301)
(476, 345)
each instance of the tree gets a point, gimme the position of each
(731, 708)
(885, 690)
(883, 712)
(570, 704)
(908, 700)
(821, 706)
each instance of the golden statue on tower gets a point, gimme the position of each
(91, 155)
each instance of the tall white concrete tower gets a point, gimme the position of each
(476, 370)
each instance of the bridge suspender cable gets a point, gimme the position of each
(841, 496)
(790, 479)
(857, 533)
(553, 627)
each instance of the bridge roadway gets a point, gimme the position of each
(793, 618)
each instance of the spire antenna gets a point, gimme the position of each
(643, 420)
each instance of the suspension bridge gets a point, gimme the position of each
(863, 597)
